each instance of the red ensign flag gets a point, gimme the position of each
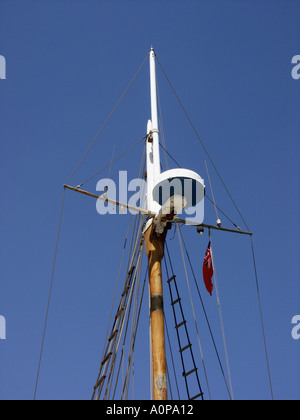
(208, 270)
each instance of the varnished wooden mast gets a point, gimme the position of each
(155, 252)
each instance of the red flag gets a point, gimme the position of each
(208, 270)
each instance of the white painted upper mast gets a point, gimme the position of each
(153, 155)
(159, 184)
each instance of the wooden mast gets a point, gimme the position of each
(155, 251)
(154, 244)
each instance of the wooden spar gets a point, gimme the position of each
(155, 251)
(108, 200)
(186, 222)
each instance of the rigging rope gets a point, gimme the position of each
(217, 289)
(234, 224)
(205, 314)
(181, 322)
(261, 318)
(130, 356)
(137, 255)
(171, 353)
(201, 142)
(116, 288)
(117, 329)
(212, 193)
(221, 317)
(132, 341)
(129, 305)
(133, 336)
(206, 195)
(111, 162)
(121, 264)
(107, 119)
(50, 293)
(134, 263)
(193, 309)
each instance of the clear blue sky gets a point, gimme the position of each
(67, 64)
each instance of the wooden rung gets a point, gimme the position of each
(131, 270)
(99, 382)
(180, 325)
(190, 372)
(106, 358)
(172, 278)
(113, 335)
(176, 301)
(197, 396)
(119, 313)
(125, 291)
(185, 348)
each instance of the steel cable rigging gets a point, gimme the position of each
(131, 295)
(239, 212)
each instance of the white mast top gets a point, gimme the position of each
(153, 155)
(168, 193)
